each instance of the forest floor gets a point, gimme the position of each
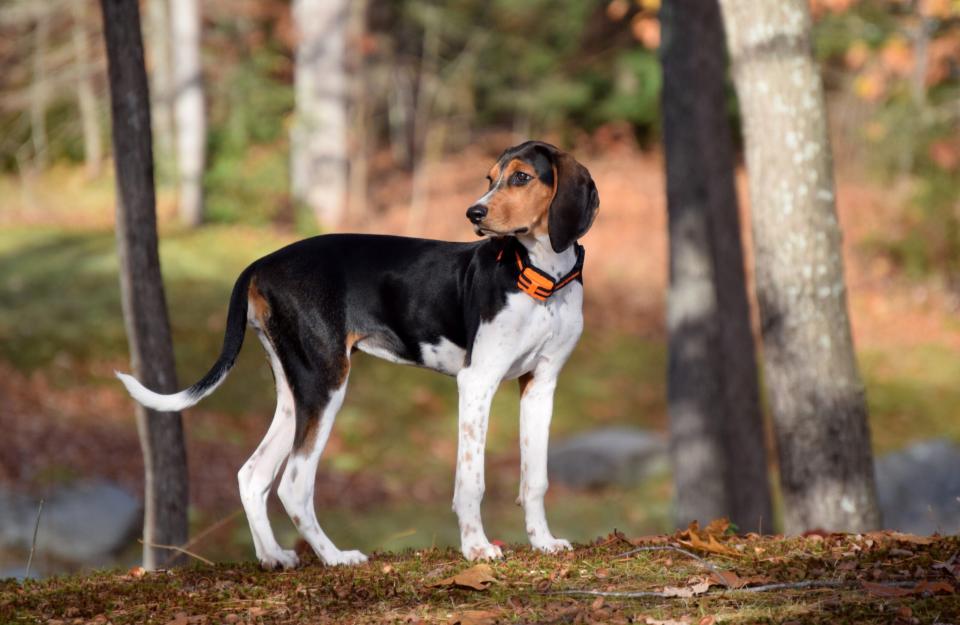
(700, 576)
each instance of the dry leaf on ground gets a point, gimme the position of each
(477, 577)
(474, 617)
(732, 580)
(922, 587)
(684, 620)
(696, 588)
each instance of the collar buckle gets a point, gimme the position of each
(535, 284)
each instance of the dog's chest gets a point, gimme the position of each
(527, 331)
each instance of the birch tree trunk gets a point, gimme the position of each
(816, 395)
(86, 99)
(189, 114)
(319, 135)
(141, 284)
(717, 442)
(39, 91)
(161, 80)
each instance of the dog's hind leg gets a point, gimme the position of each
(259, 472)
(296, 488)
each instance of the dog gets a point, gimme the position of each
(506, 307)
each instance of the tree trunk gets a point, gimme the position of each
(141, 285)
(360, 114)
(319, 135)
(717, 442)
(86, 99)
(39, 91)
(816, 396)
(188, 107)
(161, 80)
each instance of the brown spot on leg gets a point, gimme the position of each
(525, 381)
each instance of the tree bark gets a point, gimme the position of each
(39, 91)
(188, 109)
(86, 99)
(717, 443)
(141, 284)
(816, 395)
(160, 77)
(319, 135)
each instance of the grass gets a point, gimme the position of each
(878, 576)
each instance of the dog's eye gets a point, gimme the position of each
(489, 182)
(520, 178)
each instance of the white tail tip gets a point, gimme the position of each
(156, 401)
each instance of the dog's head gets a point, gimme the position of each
(535, 188)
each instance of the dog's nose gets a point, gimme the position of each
(476, 213)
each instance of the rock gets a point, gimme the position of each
(84, 522)
(18, 573)
(615, 455)
(918, 488)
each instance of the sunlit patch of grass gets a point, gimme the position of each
(912, 394)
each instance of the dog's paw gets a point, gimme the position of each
(482, 551)
(552, 545)
(283, 559)
(345, 558)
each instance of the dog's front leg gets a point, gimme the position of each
(536, 410)
(476, 393)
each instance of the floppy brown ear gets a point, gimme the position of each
(574, 205)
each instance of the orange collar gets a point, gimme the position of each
(537, 283)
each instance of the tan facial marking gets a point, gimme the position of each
(511, 207)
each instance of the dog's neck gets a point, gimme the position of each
(544, 258)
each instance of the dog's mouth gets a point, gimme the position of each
(489, 232)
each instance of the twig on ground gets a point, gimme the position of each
(177, 549)
(33, 543)
(810, 583)
(209, 530)
(689, 554)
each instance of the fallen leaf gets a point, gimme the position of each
(477, 577)
(474, 617)
(717, 527)
(707, 620)
(935, 587)
(651, 539)
(685, 592)
(684, 620)
(732, 580)
(921, 587)
(711, 545)
(913, 539)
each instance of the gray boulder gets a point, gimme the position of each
(615, 455)
(918, 488)
(86, 521)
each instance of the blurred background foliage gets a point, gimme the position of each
(563, 69)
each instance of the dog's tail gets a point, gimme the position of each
(232, 342)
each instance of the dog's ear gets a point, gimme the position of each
(575, 203)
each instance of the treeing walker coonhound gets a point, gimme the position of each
(507, 307)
